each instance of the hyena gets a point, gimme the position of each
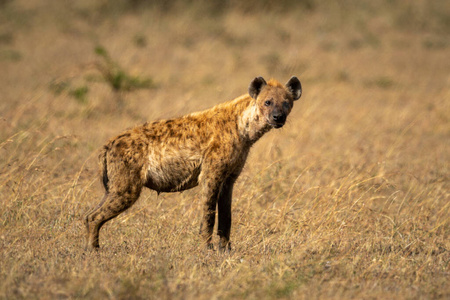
(207, 148)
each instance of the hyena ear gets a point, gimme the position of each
(256, 86)
(295, 87)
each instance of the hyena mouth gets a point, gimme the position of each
(275, 124)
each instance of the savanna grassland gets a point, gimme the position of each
(350, 199)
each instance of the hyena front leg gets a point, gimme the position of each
(208, 220)
(112, 205)
(211, 184)
(224, 207)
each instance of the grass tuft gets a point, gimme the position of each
(116, 77)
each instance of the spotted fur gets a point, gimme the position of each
(207, 148)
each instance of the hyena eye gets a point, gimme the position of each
(267, 103)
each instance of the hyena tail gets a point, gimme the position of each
(104, 167)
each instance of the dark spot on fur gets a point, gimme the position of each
(121, 144)
(127, 134)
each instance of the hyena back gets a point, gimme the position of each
(207, 148)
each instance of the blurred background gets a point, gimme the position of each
(85, 70)
(107, 65)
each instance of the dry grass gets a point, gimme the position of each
(349, 200)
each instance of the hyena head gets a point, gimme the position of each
(275, 101)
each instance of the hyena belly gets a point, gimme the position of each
(173, 172)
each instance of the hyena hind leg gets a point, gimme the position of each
(111, 206)
(86, 218)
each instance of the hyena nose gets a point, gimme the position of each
(279, 118)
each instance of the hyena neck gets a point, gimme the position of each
(251, 125)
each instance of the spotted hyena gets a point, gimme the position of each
(207, 148)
